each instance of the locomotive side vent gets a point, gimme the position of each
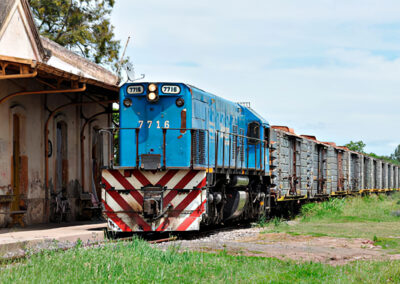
(234, 142)
(241, 149)
(199, 147)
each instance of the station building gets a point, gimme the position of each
(52, 102)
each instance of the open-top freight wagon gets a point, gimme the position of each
(303, 167)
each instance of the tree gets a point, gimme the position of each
(396, 154)
(82, 26)
(356, 146)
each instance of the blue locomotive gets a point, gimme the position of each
(186, 158)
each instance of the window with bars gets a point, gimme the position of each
(253, 131)
(267, 135)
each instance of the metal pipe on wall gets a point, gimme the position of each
(46, 139)
(75, 90)
(47, 131)
(19, 76)
(90, 119)
(24, 68)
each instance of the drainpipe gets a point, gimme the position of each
(23, 69)
(46, 139)
(90, 119)
(19, 76)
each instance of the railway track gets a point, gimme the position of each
(187, 235)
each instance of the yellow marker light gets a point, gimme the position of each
(152, 87)
(152, 96)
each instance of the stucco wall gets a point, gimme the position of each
(32, 113)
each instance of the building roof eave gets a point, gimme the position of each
(45, 70)
(53, 71)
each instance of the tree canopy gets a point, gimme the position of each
(80, 25)
(360, 145)
(356, 146)
(396, 154)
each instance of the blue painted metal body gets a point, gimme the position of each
(218, 123)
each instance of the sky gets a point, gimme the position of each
(328, 68)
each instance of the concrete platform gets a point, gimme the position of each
(17, 241)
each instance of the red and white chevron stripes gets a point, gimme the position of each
(122, 197)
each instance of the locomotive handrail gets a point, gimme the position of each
(239, 135)
(263, 145)
(113, 130)
(118, 128)
(111, 157)
(191, 144)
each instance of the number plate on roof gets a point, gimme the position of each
(170, 89)
(134, 90)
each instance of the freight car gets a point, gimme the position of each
(304, 168)
(188, 158)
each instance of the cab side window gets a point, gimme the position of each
(253, 131)
(267, 135)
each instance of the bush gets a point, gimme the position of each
(328, 208)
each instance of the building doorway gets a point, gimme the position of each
(16, 163)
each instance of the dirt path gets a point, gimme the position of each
(253, 242)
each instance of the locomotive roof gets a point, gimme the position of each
(263, 120)
(245, 109)
(248, 109)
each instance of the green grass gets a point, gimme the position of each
(355, 217)
(137, 262)
(388, 243)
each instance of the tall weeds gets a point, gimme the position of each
(331, 208)
(373, 208)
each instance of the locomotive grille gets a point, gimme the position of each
(199, 147)
(234, 142)
(241, 150)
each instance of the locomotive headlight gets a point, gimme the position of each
(152, 87)
(180, 102)
(152, 97)
(127, 102)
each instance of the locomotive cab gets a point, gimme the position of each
(154, 124)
